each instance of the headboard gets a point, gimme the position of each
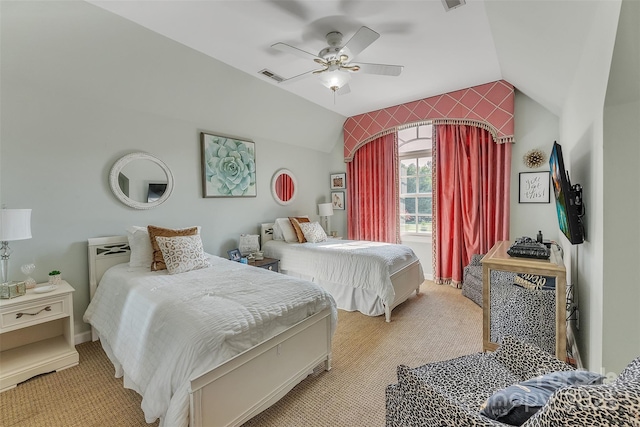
(266, 233)
(105, 252)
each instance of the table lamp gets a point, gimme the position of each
(15, 224)
(325, 210)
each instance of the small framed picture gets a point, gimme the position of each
(234, 255)
(534, 187)
(338, 181)
(337, 200)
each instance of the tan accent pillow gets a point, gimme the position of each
(295, 222)
(157, 262)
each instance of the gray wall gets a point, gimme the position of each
(621, 293)
(583, 144)
(81, 87)
(535, 128)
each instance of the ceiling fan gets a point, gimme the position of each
(336, 60)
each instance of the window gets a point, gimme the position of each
(414, 151)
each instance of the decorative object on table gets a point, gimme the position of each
(15, 224)
(27, 269)
(12, 289)
(338, 181)
(244, 260)
(249, 243)
(526, 247)
(337, 200)
(258, 256)
(228, 166)
(534, 187)
(334, 234)
(54, 277)
(534, 158)
(325, 210)
(234, 254)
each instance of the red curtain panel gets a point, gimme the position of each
(471, 203)
(372, 188)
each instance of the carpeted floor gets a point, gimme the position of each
(438, 324)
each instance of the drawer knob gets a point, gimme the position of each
(271, 267)
(19, 315)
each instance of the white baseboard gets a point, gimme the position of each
(82, 337)
(573, 346)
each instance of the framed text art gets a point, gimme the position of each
(337, 200)
(338, 181)
(534, 187)
(228, 166)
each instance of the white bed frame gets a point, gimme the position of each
(404, 281)
(242, 387)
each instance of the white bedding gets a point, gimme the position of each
(162, 330)
(359, 264)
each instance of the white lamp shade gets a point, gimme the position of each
(334, 79)
(325, 209)
(15, 224)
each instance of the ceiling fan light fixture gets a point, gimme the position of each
(334, 80)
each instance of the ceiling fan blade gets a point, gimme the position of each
(296, 8)
(361, 40)
(381, 69)
(299, 76)
(283, 47)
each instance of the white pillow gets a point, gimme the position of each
(182, 253)
(313, 232)
(277, 232)
(140, 245)
(288, 232)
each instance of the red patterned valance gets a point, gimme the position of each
(489, 106)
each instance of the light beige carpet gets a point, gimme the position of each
(438, 324)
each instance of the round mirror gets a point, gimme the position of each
(141, 181)
(283, 186)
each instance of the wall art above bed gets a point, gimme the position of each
(228, 166)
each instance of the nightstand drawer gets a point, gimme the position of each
(267, 263)
(273, 266)
(32, 314)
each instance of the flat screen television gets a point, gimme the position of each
(568, 198)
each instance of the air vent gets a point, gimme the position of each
(452, 4)
(271, 75)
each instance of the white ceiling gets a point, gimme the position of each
(534, 44)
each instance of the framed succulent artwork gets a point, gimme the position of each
(228, 166)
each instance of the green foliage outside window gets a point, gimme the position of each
(415, 195)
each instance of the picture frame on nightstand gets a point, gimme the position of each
(234, 254)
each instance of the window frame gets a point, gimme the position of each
(414, 155)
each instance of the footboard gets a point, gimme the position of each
(244, 386)
(405, 281)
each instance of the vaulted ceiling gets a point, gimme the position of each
(535, 45)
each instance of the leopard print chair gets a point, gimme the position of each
(450, 393)
(472, 279)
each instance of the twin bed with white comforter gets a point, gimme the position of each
(211, 346)
(370, 277)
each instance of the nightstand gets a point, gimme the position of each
(266, 263)
(36, 334)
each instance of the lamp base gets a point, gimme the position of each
(5, 252)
